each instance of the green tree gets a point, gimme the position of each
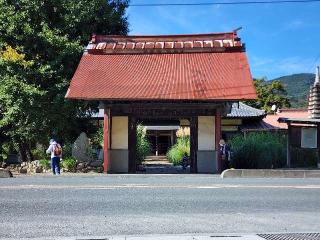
(269, 94)
(41, 42)
(143, 145)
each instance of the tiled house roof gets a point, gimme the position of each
(241, 110)
(272, 119)
(178, 67)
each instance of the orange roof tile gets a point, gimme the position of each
(272, 119)
(182, 67)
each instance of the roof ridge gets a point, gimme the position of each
(125, 44)
(167, 35)
(256, 109)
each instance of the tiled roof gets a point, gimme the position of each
(272, 119)
(241, 110)
(205, 72)
(164, 44)
(257, 125)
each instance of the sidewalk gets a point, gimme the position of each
(162, 237)
(234, 236)
(270, 173)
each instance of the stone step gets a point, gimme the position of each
(155, 160)
(157, 163)
(156, 157)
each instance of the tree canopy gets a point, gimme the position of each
(269, 94)
(41, 42)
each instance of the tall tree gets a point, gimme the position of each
(269, 94)
(41, 42)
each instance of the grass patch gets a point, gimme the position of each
(177, 151)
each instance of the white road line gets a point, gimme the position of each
(141, 186)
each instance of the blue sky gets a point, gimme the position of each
(280, 39)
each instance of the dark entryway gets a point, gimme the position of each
(161, 135)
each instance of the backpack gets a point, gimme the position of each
(57, 151)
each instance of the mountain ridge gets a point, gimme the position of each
(297, 87)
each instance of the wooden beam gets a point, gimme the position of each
(105, 140)
(132, 143)
(193, 144)
(165, 104)
(217, 140)
(162, 113)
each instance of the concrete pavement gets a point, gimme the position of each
(162, 237)
(82, 206)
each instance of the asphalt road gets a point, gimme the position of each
(91, 205)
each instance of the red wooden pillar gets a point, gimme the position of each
(217, 139)
(105, 141)
(193, 144)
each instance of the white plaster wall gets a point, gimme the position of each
(206, 133)
(119, 133)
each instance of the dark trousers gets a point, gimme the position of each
(55, 163)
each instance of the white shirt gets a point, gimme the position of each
(51, 149)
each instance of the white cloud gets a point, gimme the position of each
(278, 67)
(295, 24)
(175, 20)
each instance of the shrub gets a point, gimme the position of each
(143, 145)
(67, 150)
(304, 157)
(69, 164)
(177, 151)
(39, 152)
(5, 149)
(97, 138)
(259, 150)
(45, 163)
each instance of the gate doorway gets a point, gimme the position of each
(120, 133)
(162, 138)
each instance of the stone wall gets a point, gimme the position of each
(35, 167)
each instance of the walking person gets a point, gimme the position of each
(225, 154)
(56, 151)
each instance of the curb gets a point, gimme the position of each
(269, 173)
(162, 237)
(4, 173)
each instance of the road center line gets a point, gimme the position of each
(144, 186)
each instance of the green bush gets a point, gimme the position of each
(143, 145)
(177, 151)
(67, 150)
(45, 163)
(69, 164)
(259, 150)
(97, 138)
(304, 157)
(39, 153)
(5, 149)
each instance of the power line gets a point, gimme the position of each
(221, 3)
